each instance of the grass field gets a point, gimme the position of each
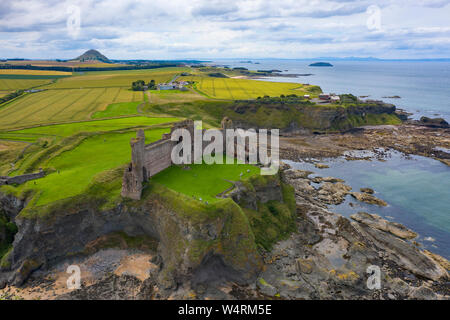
(78, 166)
(242, 89)
(117, 109)
(65, 130)
(115, 78)
(202, 180)
(52, 106)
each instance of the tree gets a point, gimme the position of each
(138, 85)
(152, 85)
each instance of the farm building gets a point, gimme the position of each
(335, 98)
(173, 86)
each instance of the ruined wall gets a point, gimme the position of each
(22, 178)
(157, 156)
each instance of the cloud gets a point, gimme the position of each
(161, 29)
(214, 8)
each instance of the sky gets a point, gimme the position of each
(214, 29)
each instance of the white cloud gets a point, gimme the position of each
(161, 29)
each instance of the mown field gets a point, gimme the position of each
(53, 106)
(9, 84)
(34, 72)
(242, 89)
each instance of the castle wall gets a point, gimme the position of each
(148, 160)
(157, 156)
(22, 178)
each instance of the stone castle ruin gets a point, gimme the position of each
(149, 159)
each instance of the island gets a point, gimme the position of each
(321, 64)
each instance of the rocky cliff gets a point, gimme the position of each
(309, 117)
(197, 242)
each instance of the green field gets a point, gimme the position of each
(118, 109)
(53, 106)
(204, 181)
(65, 130)
(242, 89)
(78, 166)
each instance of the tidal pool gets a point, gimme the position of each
(416, 188)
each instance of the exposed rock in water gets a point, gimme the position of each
(375, 221)
(333, 193)
(321, 166)
(368, 198)
(367, 190)
(326, 179)
(434, 122)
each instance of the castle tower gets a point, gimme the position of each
(135, 173)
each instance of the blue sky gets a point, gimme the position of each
(208, 29)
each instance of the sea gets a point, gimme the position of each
(423, 86)
(416, 188)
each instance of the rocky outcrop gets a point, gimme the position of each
(329, 257)
(434, 122)
(376, 222)
(368, 198)
(249, 193)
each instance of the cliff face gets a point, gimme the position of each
(289, 118)
(196, 242)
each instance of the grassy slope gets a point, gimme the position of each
(78, 166)
(65, 130)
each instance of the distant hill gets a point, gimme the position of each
(92, 55)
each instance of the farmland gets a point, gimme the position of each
(34, 72)
(20, 84)
(80, 125)
(102, 79)
(53, 106)
(241, 89)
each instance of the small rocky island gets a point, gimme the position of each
(321, 64)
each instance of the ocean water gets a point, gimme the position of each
(417, 190)
(424, 86)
